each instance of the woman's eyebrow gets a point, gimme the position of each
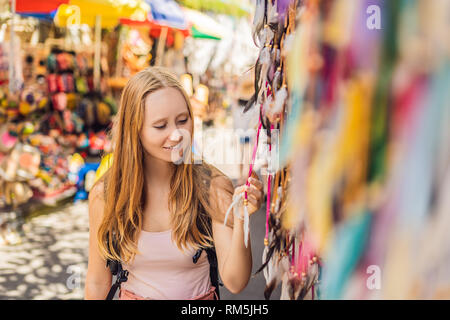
(159, 120)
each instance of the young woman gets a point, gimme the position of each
(160, 206)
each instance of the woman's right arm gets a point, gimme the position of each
(98, 278)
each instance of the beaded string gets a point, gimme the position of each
(293, 259)
(255, 147)
(269, 187)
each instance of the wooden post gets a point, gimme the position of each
(12, 70)
(119, 62)
(161, 46)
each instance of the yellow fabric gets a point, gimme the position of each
(109, 10)
(105, 164)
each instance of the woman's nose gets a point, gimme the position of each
(176, 135)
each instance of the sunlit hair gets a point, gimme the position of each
(124, 185)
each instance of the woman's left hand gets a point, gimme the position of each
(254, 193)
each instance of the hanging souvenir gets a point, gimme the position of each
(59, 101)
(103, 113)
(52, 83)
(7, 141)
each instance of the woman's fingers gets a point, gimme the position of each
(253, 201)
(254, 180)
(252, 190)
(239, 189)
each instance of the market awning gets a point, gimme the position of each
(162, 14)
(109, 10)
(203, 26)
(167, 13)
(201, 35)
(234, 8)
(44, 9)
(154, 27)
(38, 7)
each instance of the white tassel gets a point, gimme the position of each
(265, 36)
(277, 56)
(266, 105)
(269, 35)
(258, 20)
(265, 62)
(275, 107)
(272, 13)
(280, 99)
(262, 37)
(276, 79)
(236, 200)
(268, 269)
(278, 202)
(246, 226)
(277, 269)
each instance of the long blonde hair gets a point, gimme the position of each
(124, 187)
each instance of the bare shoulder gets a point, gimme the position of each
(98, 191)
(97, 201)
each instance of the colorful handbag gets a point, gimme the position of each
(52, 83)
(29, 161)
(7, 141)
(103, 113)
(81, 85)
(71, 101)
(59, 101)
(68, 123)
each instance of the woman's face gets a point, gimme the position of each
(167, 125)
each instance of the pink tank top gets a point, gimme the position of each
(164, 272)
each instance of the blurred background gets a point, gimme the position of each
(358, 205)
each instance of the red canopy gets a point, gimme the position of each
(38, 6)
(155, 28)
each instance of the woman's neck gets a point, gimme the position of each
(157, 172)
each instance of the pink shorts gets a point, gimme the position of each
(128, 295)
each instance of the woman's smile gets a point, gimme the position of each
(175, 147)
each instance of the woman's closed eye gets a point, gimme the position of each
(164, 125)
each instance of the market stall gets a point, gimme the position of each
(54, 123)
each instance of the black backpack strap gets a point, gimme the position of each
(210, 251)
(117, 270)
(213, 267)
(122, 276)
